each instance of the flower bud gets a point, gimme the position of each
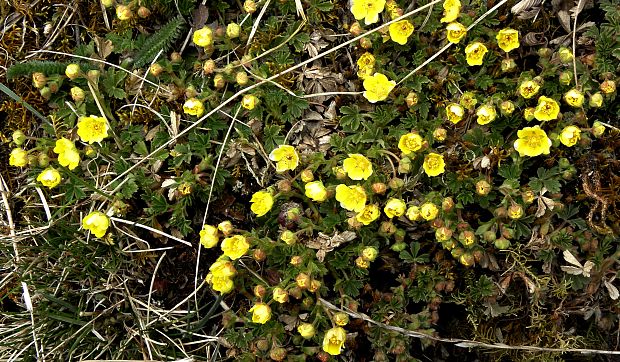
(396, 183)
(46, 93)
(355, 29)
(296, 260)
(528, 114)
(249, 101)
(411, 99)
(515, 211)
(284, 186)
(369, 253)
(354, 223)
(483, 188)
(288, 237)
(596, 100)
(598, 129)
(53, 86)
(404, 165)
(379, 188)
(19, 138)
(233, 30)
(295, 292)
(156, 69)
(506, 108)
(226, 227)
(314, 286)
(467, 238)
(440, 134)
(277, 354)
(528, 196)
(77, 94)
(176, 57)
(209, 66)
(489, 236)
(508, 65)
(72, 71)
(565, 78)
(341, 319)
(259, 255)
(608, 87)
(502, 243)
(399, 235)
(260, 291)
(566, 55)
(339, 173)
(123, 12)
(544, 52)
(144, 12)
(303, 280)
(398, 247)
(365, 43)
(466, 259)
(39, 80)
(107, 3)
(218, 81)
(447, 204)
(249, 6)
(443, 234)
(241, 78)
(468, 100)
(361, 263)
(43, 160)
(307, 176)
(280, 295)
(306, 330)
(387, 228)
(457, 252)
(90, 152)
(93, 76)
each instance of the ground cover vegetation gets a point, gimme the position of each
(297, 180)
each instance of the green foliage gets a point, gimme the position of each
(27, 68)
(159, 41)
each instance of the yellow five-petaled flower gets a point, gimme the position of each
(357, 167)
(570, 135)
(533, 141)
(455, 32)
(286, 158)
(262, 201)
(334, 340)
(434, 164)
(49, 177)
(547, 109)
(209, 236)
(261, 313)
(235, 246)
(316, 191)
(92, 129)
(368, 214)
(474, 53)
(97, 222)
(400, 31)
(451, 10)
(368, 10)
(18, 157)
(410, 142)
(352, 198)
(377, 87)
(508, 39)
(68, 155)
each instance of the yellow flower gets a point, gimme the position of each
(410, 142)
(220, 283)
(368, 10)
(434, 164)
(235, 247)
(451, 10)
(370, 253)
(486, 114)
(223, 268)
(316, 191)
(209, 236)
(68, 155)
(515, 211)
(400, 31)
(306, 330)
(203, 37)
(508, 39)
(547, 109)
(280, 295)
(334, 340)
(18, 157)
(475, 52)
(92, 129)
(262, 201)
(365, 65)
(286, 158)
(97, 222)
(533, 141)
(429, 211)
(249, 101)
(413, 213)
(455, 112)
(288, 237)
(528, 89)
(395, 208)
(368, 214)
(377, 87)
(49, 177)
(352, 198)
(72, 71)
(194, 107)
(455, 32)
(570, 135)
(574, 98)
(123, 12)
(261, 313)
(357, 167)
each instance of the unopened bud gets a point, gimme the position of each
(39, 80)
(447, 204)
(249, 6)
(144, 12)
(565, 78)
(218, 81)
(296, 260)
(259, 255)
(404, 165)
(467, 259)
(107, 3)
(411, 99)
(307, 175)
(176, 57)
(508, 65)
(277, 354)
(43, 160)
(284, 186)
(396, 183)
(506, 108)
(566, 55)
(379, 188)
(260, 291)
(355, 29)
(241, 78)
(72, 71)
(156, 69)
(387, 228)
(233, 30)
(596, 100)
(483, 188)
(19, 137)
(46, 93)
(226, 227)
(608, 87)
(528, 113)
(93, 76)
(440, 134)
(209, 66)
(314, 286)
(598, 129)
(123, 12)
(365, 43)
(303, 280)
(544, 52)
(77, 94)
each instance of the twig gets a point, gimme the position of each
(463, 343)
(133, 223)
(148, 301)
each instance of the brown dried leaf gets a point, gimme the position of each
(325, 243)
